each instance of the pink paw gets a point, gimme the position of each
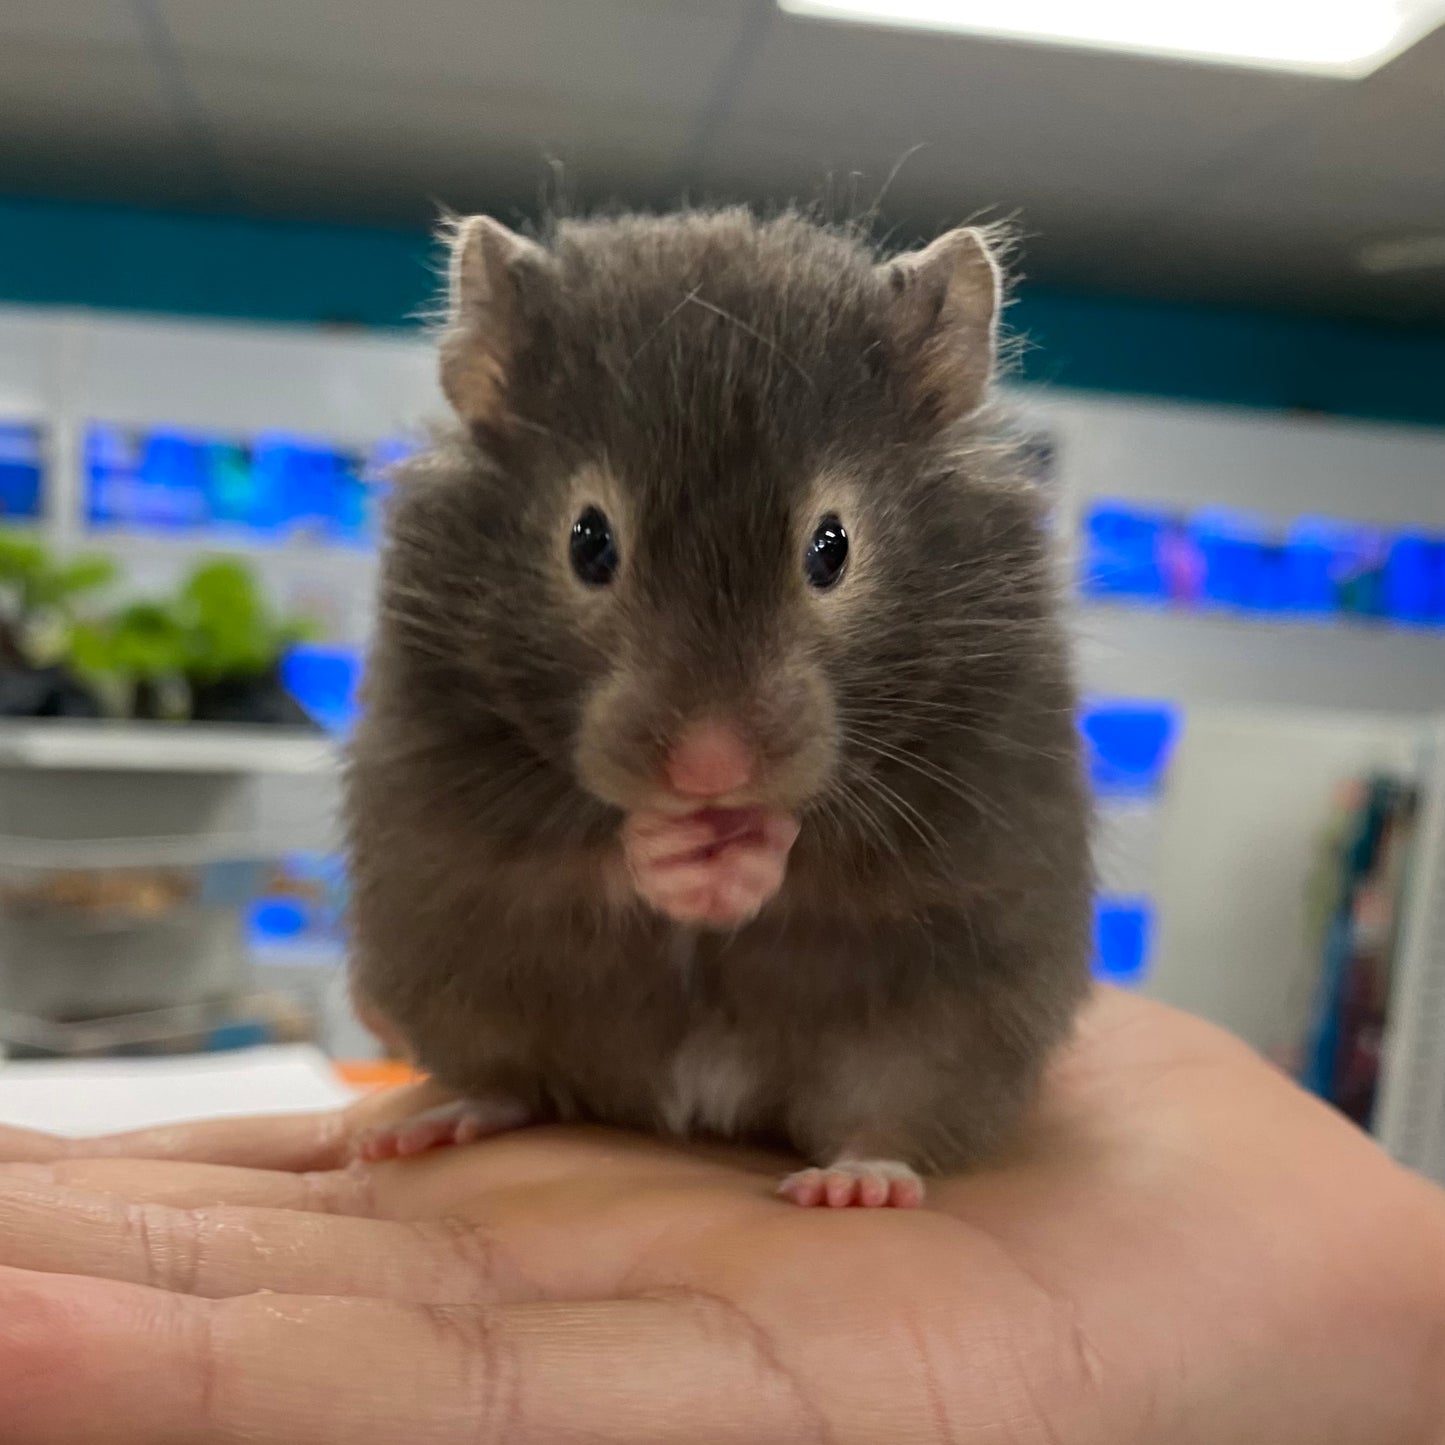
(463, 1122)
(855, 1183)
(715, 866)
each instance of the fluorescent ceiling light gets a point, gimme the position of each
(1322, 37)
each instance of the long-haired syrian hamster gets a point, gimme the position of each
(718, 771)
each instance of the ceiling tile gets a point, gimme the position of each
(409, 150)
(113, 137)
(654, 53)
(1126, 174)
(117, 134)
(1065, 121)
(1366, 162)
(1372, 153)
(93, 22)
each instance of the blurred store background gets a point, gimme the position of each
(214, 256)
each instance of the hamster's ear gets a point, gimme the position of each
(945, 307)
(489, 267)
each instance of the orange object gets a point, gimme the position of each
(386, 1074)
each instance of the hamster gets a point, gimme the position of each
(718, 772)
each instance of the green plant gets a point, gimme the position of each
(39, 596)
(134, 659)
(143, 641)
(218, 626)
(230, 629)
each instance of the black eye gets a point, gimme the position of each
(593, 548)
(827, 553)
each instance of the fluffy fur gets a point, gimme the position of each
(716, 383)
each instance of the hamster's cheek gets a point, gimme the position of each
(714, 868)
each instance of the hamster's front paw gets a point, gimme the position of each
(462, 1122)
(864, 1183)
(715, 867)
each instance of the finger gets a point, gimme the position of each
(145, 1368)
(492, 1183)
(282, 1141)
(17, 1145)
(193, 1186)
(289, 1142)
(217, 1253)
(576, 1238)
(446, 1182)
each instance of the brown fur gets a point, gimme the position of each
(715, 382)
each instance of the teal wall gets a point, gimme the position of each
(68, 254)
(135, 260)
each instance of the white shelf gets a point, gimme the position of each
(164, 748)
(22, 854)
(289, 955)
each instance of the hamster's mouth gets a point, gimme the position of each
(712, 868)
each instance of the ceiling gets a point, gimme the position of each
(1127, 175)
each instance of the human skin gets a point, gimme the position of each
(1183, 1250)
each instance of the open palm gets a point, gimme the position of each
(1183, 1248)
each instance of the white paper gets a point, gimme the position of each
(103, 1096)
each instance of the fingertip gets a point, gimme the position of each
(468, 1131)
(72, 1371)
(906, 1194)
(873, 1193)
(805, 1188)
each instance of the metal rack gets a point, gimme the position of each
(1411, 1111)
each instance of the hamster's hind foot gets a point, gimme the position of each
(855, 1183)
(463, 1121)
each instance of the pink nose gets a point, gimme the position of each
(707, 761)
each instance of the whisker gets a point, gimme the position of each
(756, 335)
(868, 725)
(873, 826)
(925, 831)
(663, 324)
(950, 783)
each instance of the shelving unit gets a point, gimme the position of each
(1410, 1117)
(189, 814)
(85, 746)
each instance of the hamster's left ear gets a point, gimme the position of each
(490, 272)
(944, 305)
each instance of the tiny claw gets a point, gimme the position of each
(804, 1188)
(855, 1183)
(462, 1122)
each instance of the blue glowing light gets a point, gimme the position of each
(324, 680)
(1238, 562)
(1128, 744)
(22, 471)
(1123, 939)
(275, 486)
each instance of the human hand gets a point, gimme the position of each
(1184, 1248)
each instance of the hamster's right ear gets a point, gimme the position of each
(489, 267)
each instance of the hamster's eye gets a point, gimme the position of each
(827, 553)
(593, 548)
